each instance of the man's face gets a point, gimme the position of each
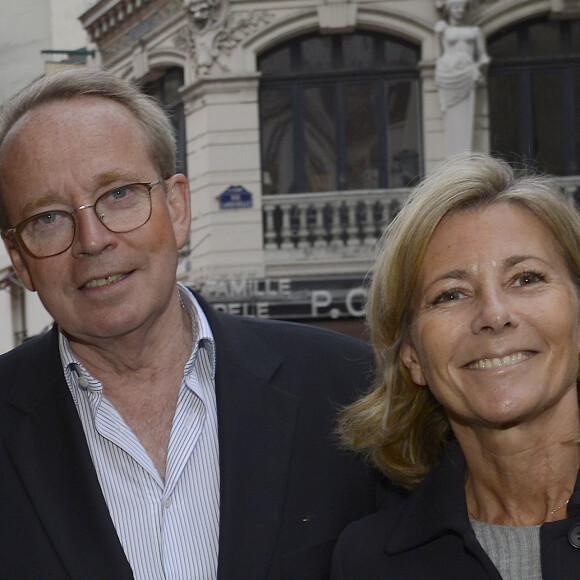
(63, 155)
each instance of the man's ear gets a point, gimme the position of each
(179, 205)
(410, 358)
(20, 262)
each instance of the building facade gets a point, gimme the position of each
(303, 123)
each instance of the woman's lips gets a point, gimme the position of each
(500, 362)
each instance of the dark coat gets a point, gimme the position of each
(429, 536)
(286, 491)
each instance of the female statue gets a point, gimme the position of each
(458, 73)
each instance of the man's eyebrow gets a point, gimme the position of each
(41, 202)
(115, 175)
(51, 198)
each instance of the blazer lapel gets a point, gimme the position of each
(256, 432)
(48, 450)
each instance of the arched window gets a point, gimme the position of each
(339, 112)
(165, 88)
(534, 94)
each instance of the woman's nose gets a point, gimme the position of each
(494, 312)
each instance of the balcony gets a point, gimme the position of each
(336, 232)
(326, 233)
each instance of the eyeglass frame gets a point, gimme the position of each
(14, 232)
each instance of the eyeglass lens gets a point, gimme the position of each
(120, 210)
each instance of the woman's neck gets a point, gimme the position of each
(520, 476)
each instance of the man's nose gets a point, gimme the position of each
(91, 236)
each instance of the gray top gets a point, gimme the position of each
(514, 550)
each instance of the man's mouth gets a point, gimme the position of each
(104, 281)
(500, 362)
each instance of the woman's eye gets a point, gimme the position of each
(528, 278)
(449, 296)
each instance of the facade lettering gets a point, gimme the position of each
(287, 298)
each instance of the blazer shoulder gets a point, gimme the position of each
(40, 349)
(26, 370)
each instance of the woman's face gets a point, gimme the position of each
(496, 325)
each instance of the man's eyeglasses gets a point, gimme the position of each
(121, 210)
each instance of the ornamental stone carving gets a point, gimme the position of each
(213, 32)
(205, 14)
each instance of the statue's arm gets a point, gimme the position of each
(482, 58)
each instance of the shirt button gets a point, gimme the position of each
(83, 382)
(167, 503)
(574, 536)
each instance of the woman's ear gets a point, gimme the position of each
(410, 358)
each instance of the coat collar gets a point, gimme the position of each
(435, 508)
(438, 506)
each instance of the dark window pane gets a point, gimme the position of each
(361, 137)
(504, 114)
(359, 52)
(172, 83)
(398, 54)
(165, 88)
(549, 124)
(504, 46)
(575, 35)
(320, 138)
(544, 39)
(403, 133)
(277, 141)
(277, 62)
(316, 54)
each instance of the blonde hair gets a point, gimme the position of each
(399, 426)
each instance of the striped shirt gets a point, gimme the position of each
(168, 529)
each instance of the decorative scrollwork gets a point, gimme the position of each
(209, 49)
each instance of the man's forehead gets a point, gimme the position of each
(72, 109)
(54, 133)
(47, 119)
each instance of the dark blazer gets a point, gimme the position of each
(429, 536)
(286, 491)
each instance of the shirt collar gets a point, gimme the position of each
(77, 377)
(200, 327)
